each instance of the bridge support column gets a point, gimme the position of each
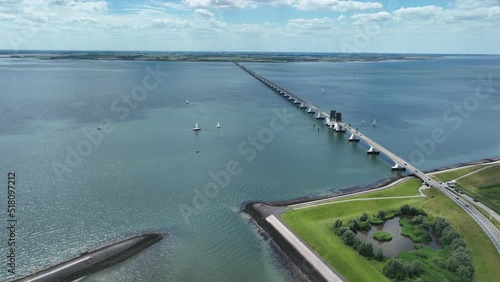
(398, 167)
(373, 151)
(353, 138)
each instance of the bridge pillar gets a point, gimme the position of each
(398, 167)
(373, 151)
(353, 138)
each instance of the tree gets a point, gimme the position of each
(341, 230)
(364, 217)
(448, 235)
(354, 225)
(457, 243)
(415, 268)
(440, 224)
(405, 209)
(418, 219)
(379, 255)
(366, 249)
(395, 269)
(465, 272)
(381, 214)
(337, 224)
(348, 237)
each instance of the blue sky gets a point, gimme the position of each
(406, 26)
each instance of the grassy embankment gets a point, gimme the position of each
(453, 174)
(314, 226)
(484, 186)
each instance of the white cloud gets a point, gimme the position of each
(217, 24)
(202, 13)
(419, 13)
(473, 4)
(305, 5)
(494, 12)
(311, 24)
(341, 19)
(169, 23)
(223, 4)
(334, 5)
(376, 17)
(88, 6)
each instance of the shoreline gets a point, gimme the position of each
(246, 57)
(261, 211)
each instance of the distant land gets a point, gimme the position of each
(277, 57)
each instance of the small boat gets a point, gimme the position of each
(187, 101)
(363, 121)
(98, 128)
(374, 122)
(196, 127)
(218, 125)
(406, 120)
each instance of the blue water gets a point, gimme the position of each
(145, 173)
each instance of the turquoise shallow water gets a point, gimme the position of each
(145, 174)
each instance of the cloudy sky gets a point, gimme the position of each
(417, 26)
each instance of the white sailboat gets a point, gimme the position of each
(406, 120)
(196, 127)
(363, 121)
(218, 125)
(187, 101)
(374, 122)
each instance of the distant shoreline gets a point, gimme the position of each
(214, 56)
(259, 211)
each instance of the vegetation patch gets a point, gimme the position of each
(382, 236)
(454, 174)
(484, 186)
(314, 225)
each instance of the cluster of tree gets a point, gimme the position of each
(421, 228)
(348, 236)
(413, 211)
(400, 270)
(460, 260)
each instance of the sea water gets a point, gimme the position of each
(79, 187)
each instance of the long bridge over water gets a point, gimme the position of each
(334, 121)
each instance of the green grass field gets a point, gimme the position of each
(314, 226)
(484, 186)
(406, 188)
(450, 175)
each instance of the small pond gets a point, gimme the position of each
(399, 243)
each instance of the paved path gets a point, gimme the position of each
(309, 255)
